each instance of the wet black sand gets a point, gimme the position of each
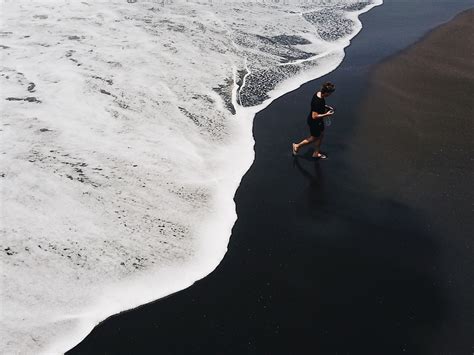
(367, 253)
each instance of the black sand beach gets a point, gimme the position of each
(369, 252)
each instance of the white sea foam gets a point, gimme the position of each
(126, 128)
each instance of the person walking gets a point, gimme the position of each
(315, 121)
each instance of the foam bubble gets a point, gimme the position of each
(127, 127)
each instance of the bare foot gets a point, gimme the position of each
(319, 156)
(295, 149)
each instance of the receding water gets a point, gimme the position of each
(127, 126)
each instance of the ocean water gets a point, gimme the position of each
(126, 129)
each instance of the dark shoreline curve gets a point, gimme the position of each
(324, 259)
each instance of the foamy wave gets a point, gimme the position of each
(127, 127)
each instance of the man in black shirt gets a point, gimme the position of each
(315, 120)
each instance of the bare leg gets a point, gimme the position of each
(304, 142)
(317, 146)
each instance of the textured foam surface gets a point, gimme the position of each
(126, 130)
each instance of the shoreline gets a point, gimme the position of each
(69, 323)
(213, 245)
(251, 192)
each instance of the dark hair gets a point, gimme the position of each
(328, 88)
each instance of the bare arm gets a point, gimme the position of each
(315, 115)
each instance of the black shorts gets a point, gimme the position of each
(316, 127)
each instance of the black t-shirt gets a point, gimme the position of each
(317, 105)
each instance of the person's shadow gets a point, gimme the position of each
(311, 170)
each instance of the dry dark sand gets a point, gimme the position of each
(369, 252)
(420, 126)
(418, 134)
